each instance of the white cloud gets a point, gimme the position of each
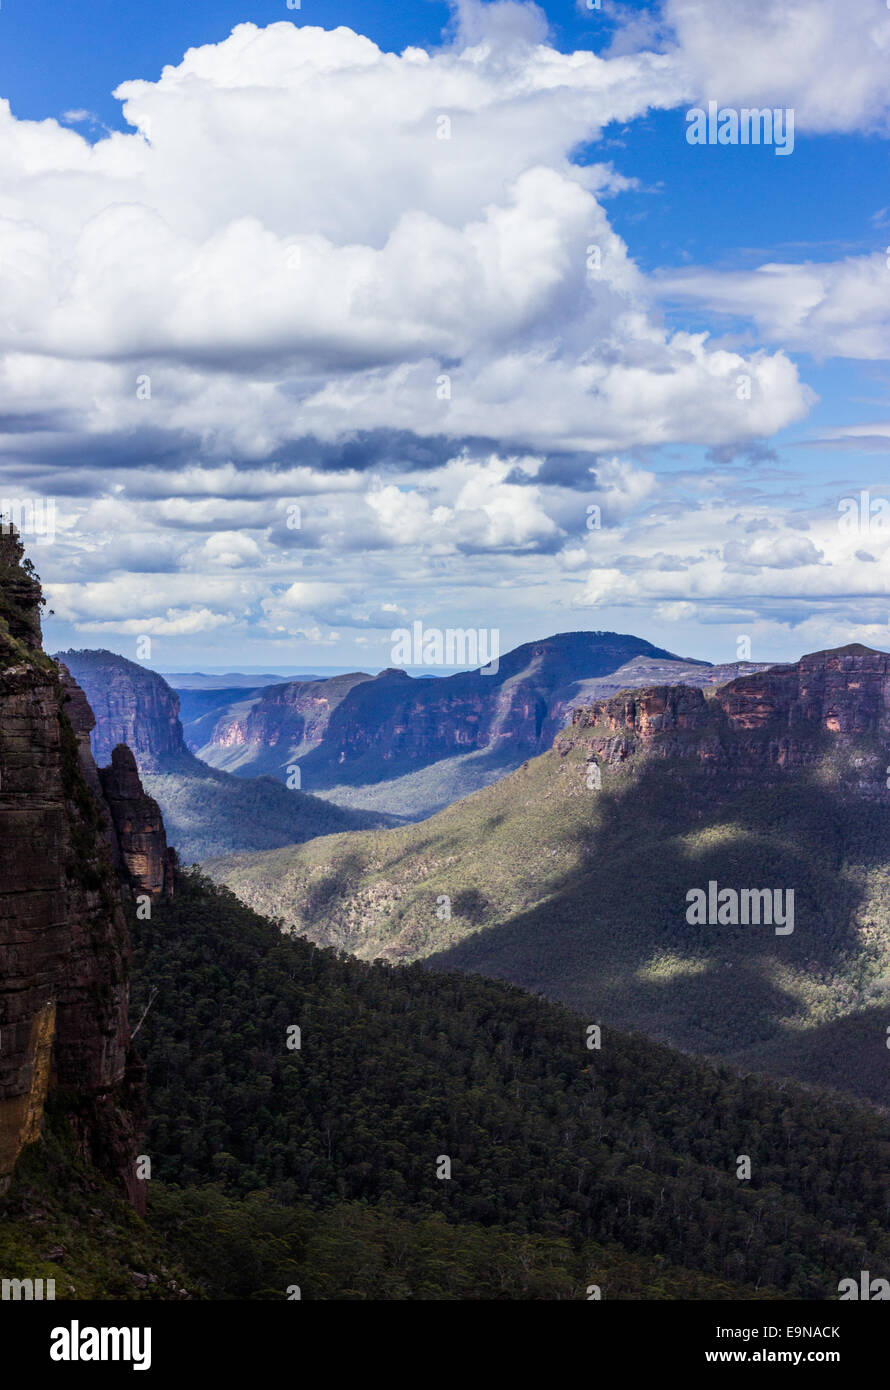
(324, 280)
(228, 549)
(287, 249)
(826, 60)
(303, 606)
(769, 551)
(719, 555)
(834, 308)
(133, 600)
(174, 623)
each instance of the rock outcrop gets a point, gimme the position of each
(786, 716)
(358, 729)
(131, 705)
(138, 827)
(64, 948)
(293, 716)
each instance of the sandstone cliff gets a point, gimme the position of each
(291, 718)
(138, 827)
(64, 950)
(828, 703)
(134, 829)
(131, 705)
(358, 730)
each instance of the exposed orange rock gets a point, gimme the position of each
(771, 718)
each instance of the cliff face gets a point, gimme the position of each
(132, 706)
(64, 950)
(355, 729)
(417, 722)
(138, 827)
(134, 827)
(782, 717)
(294, 715)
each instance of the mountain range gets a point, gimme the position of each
(571, 875)
(362, 1131)
(352, 751)
(207, 811)
(410, 746)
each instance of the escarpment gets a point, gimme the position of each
(358, 729)
(70, 839)
(294, 714)
(131, 705)
(831, 703)
(134, 827)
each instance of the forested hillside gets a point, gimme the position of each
(571, 877)
(557, 1150)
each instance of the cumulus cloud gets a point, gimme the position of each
(303, 605)
(176, 622)
(826, 61)
(229, 550)
(716, 558)
(382, 288)
(324, 283)
(836, 308)
(770, 551)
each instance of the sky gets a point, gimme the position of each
(320, 322)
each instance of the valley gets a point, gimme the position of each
(581, 1143)
(775, 778)
(206, 810)
(444, 680)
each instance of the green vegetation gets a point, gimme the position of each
(60, 1220)
(316, 1167)
(581, 894)
(256, 1248)
(631, 1148)
(21, 600)
(207, 812)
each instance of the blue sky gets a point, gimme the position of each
(58, 57)
(134, 250)
(696, 214)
